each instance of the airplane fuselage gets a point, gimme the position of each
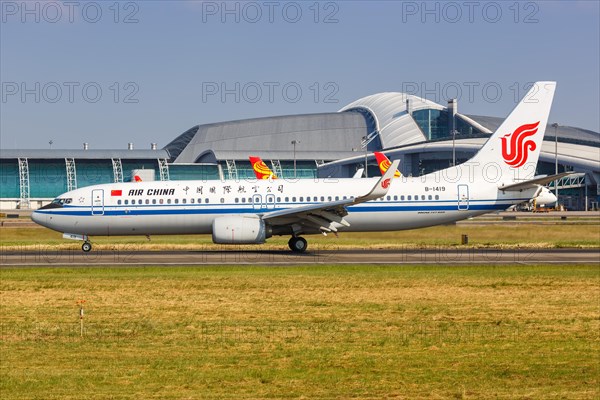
(189, 207)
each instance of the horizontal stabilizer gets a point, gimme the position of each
(533, 183)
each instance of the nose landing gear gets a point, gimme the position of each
(86, 247)
(297, 244)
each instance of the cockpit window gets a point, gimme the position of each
(62, 201)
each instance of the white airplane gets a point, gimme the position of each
(500, 175)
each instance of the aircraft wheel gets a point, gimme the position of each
(86, 247)
(298, 244)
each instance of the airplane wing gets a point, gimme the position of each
(323, 215)
(533, 183)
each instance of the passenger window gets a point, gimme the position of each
(322, 198)
(294, 199)
(237, 200)
(199, 200)
(329, 198)
(222, 200)
(147, 201)
(395, 198)
(437, 196)
(402, 197)
(126, 202)
(337, 198)
(153, 201)
(301, 199)
(176, 201)
(168, 201)
(243, 199)
(192, 201)
(118, 201)
(287, 199)
(183, 201)
(430, 197)
(389, 198)
(409, 197)
(140, 201)
(315, 198)
(279, 199)
(206, 200)
(161, 201)
(422, 197)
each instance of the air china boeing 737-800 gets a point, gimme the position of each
(500, 175)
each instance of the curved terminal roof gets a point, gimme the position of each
(324, 133)
(390, 112)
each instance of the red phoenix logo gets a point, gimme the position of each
(385, 183)
(517, 154)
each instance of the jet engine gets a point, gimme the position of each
(239, 230)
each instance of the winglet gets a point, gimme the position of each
(382, 186)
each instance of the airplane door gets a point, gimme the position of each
(270, 200)
(463, 197)
(98, 202)
(257, 201)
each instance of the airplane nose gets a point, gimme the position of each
(39, 218)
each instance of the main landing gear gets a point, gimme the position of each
(297, 244)
(86, 247)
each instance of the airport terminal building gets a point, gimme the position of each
(424, 135)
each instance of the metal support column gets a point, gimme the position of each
(71, 174)
(231, 170)
(24, 183)
(117, 170)
(163, 169)
(277, 168)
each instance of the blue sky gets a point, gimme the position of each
(110, 73)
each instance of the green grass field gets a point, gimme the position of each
(509, 332)
(494, 235)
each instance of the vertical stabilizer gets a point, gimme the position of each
(260, 168)
(384, 163)
(514, 149)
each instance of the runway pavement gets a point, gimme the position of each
(442, 256)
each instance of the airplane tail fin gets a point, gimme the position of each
(260, 168)
(514, 149)
(384, 163)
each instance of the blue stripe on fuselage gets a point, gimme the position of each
(205, 209)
